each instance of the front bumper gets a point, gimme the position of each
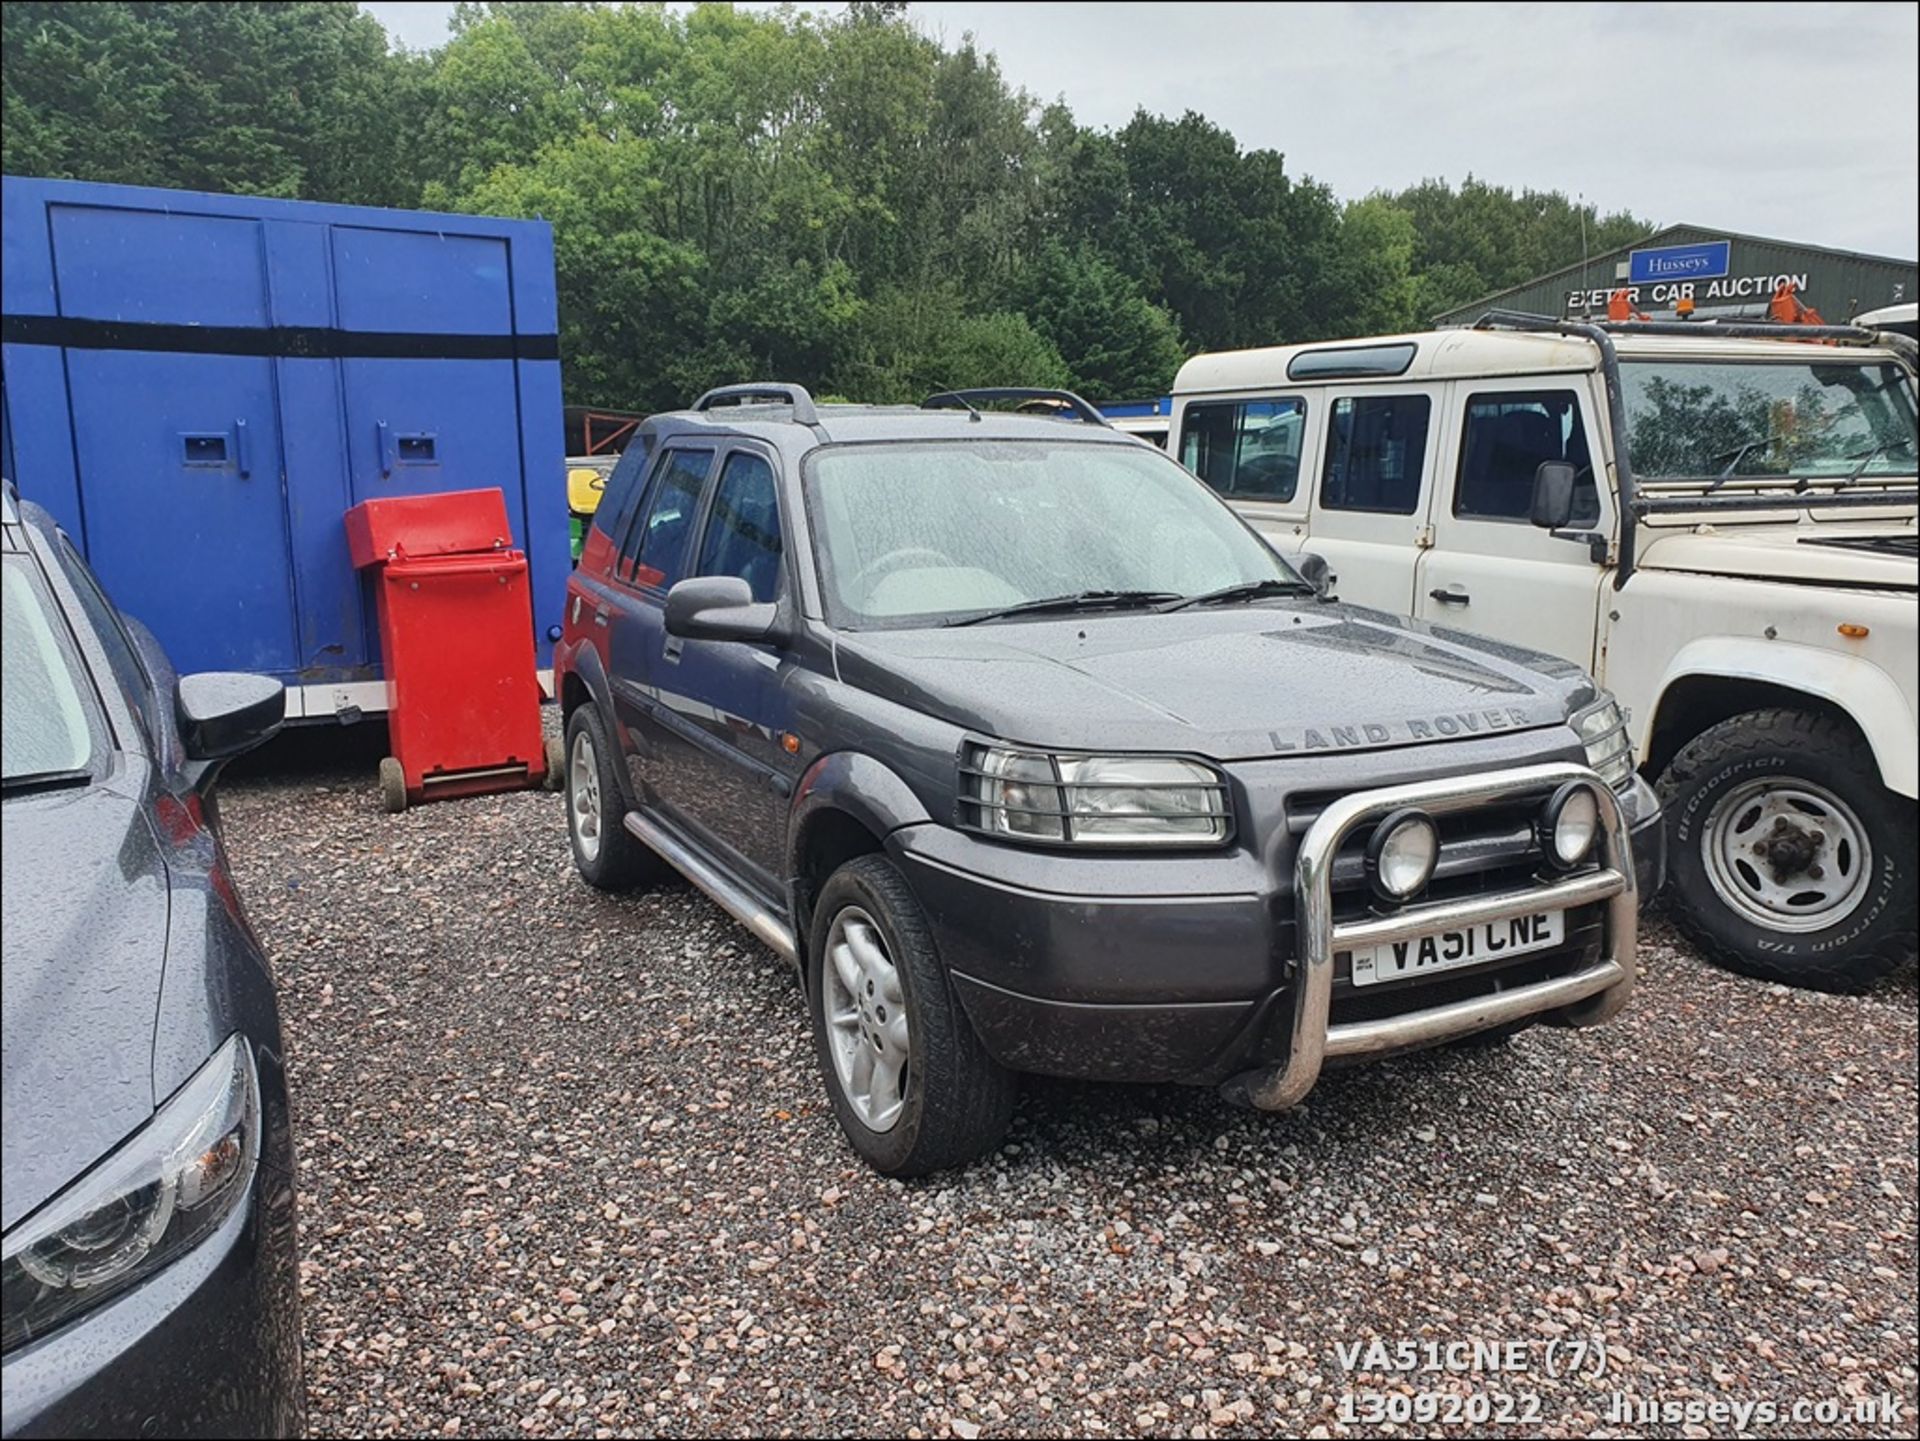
(1204, 969)
(207, 1346)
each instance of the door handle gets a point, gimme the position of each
(385, 442)
(671, 650)
(1451, 595)
(240, 461)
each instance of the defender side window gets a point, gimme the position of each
(1248, 449)
(1506, 436)
(657, 544)
(1376, 449)
(743, 526)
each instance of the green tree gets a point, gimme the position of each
(298, 100)
(841, 199)
(1480, 238)
(1115, 342)
(911, 342)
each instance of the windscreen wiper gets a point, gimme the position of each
(1245, 590)
(1868, 457)
(1739, 453)
(44, 781)
(1079, 600)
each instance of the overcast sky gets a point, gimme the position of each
(1796, 122)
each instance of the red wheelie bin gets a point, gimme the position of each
(456, 635)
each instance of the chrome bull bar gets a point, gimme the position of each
(1587, 998)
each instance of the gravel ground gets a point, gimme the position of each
(567, 1169)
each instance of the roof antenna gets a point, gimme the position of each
(972, 414)
(1580, 201)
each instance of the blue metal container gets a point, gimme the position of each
(200, 386)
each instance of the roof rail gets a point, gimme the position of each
(1722, 329)
(779, 392)
(963, 399)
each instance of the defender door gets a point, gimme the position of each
(1490, 570)
(1378, 448)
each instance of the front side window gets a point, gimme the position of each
(1376, 448)
(743, 527)
(911, 534)
(1505, 438)
(45, 725)
(1245, 449)
(659, 542)
(1690, 420)
(122, 656)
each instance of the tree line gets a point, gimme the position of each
(835, 199)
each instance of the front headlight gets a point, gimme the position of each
(1092, 800)
(1603, 730)
(158, 1195)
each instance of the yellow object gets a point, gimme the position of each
(585, 486)
(1852, 631)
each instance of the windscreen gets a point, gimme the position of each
(43, 719)
(1727, 419)
(916, 534)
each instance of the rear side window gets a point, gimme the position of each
(658, 543)
(1376, 447)
(1506, 437)
(743, 527)
(1245, 449)
(624, 488)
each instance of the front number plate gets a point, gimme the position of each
(1451, 950)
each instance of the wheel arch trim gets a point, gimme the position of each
(1861, 690)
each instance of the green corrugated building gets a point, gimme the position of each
(1724, 274)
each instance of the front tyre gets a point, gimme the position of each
(910, 1082)
(1788, 859)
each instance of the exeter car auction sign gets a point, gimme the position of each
(1661, 277)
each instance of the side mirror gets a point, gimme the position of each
(719, 607)
(1313, 570)
(223, 713)
(1552, 507)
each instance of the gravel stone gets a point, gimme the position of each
(567, 1169)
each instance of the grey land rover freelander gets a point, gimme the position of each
(1031, 756)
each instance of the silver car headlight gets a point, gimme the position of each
(157, 1196)
(1603, 730)
(1092, 800)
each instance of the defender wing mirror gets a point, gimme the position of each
(1314, 571)
(1552, 507)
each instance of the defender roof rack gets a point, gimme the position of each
(963, 400)
(1634, 505)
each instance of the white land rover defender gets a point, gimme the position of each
(1717, 519)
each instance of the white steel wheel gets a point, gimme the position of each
(583, 794)
(1787, 854)
(866, 1012)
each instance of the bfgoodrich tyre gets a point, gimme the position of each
(1788, 859)
(910, 1083)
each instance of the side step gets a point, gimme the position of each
(731, 898)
